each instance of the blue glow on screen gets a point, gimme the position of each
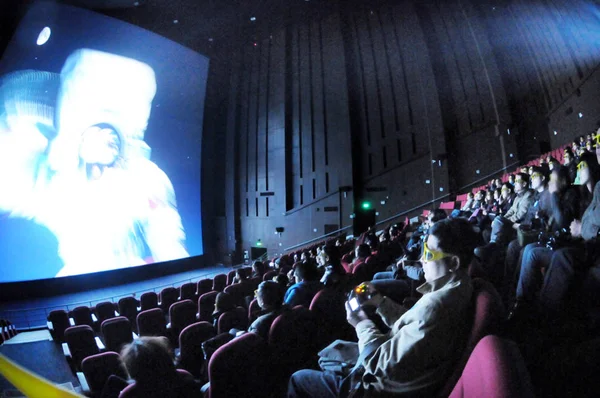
(100, 142)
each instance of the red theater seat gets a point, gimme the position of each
(117, 332)
(495, 370)
(240, 369)
(235, 319)
(191, 356)
(168, 296)
(82, 315)
(204, 286)
(96, 369)
(181, 314)
(104, 311)
(148, 301)
(187, 291)
(488, 314)
(239, 292)
(128, 307)
(219, 282)
(292, 342)
(80, 343)
(58, 322)
(206, 306)
(151, 323)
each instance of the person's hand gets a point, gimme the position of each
(575, 228)
(354, 317)
(376, 297)
(516, 225)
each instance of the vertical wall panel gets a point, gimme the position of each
(262, 115)
(318, 111)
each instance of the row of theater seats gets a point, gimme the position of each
(7, 330)
(295, 337)
(488, 366)
(129, 307)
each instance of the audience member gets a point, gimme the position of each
(305, 287)
(223, 303)
(149, 362)
(270, 299)
(416, 356)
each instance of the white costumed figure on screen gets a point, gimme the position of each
(108, 205)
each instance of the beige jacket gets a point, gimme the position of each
(424, 342)
(519, 208)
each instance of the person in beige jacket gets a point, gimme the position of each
(415, 357)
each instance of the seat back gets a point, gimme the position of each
(60, 322)
(228, 368)
(329, 309)
(253, 311)
(219, 282)
(239, 292)
(206, 305)
(230, 277)
(292, 341)
(495, 369)
(82, 315)
(269, 275)
(168, 296)
(148, 301)
(187, 291)
(238, 319)
(151, 323)
(128, 307)
(182, 314)
(487, 316)
(117, 332)
(98, 368)
(204, 286)
(81, 342)
(190, 346)
(104, 311)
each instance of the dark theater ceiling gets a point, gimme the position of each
(207, 26)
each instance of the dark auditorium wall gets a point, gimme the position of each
(397, 103)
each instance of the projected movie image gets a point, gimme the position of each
(91, 180)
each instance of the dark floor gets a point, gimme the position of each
(44, 358)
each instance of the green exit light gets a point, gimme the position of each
(366, 205)
(259, 243)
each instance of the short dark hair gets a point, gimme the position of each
(524, 177)
(562, 173)
(148, 358)
(456, 236)
(224, 302)
(271, 294)
(306, 271)
(364, 250)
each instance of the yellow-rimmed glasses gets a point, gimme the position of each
(597, 139)
(582, 165)
(536, 175)
(256, 293)
(432, 255)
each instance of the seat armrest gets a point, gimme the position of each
(71, 322)
(50, 326)
(66, 351)
(94, 318)
(99, 343)
(85, 388)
